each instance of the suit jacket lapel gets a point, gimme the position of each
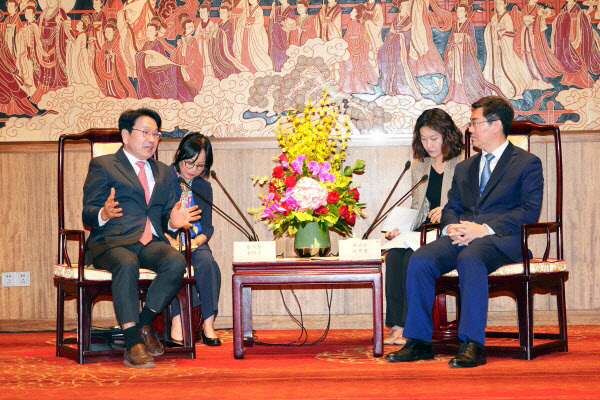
(157, 178)
(122, 164)
(505, 160)
(474, 177)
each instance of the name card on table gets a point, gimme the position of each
(254, 251)
(357, 249)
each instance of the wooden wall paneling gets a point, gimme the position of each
(30, 237)
(581, 216)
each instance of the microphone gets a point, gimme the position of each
(214, 176)
(372, 226)
(423, 179)
(223, 213)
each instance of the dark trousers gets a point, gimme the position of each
(125, 262)
(473, 263)
(208, 283)
(396, 267)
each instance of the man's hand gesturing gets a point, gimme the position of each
(182, 217)
(110, 209)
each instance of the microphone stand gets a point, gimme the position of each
(223, 213)
(402, 199)
(213, 174)
(372, 226)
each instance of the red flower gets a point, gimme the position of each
(321, 210)
(333, 197)
(277, 172)
(277, 196)
(345, 213)
(351, 219)
(283, 157)
(290, 180)
(354, 194)
(287, 208)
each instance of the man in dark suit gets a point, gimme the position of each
(493, 193)
(128, 201)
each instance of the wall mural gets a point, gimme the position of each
(227, 68)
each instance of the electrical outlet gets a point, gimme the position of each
(23, 279)
(9, 279)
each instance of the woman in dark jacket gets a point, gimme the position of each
(192, 162)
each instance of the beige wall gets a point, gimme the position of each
(29, 219)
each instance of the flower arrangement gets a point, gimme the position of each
(308, 184)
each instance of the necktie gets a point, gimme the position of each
(485, 175)
(147, 235)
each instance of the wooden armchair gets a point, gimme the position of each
(75, 280)
(523, 279)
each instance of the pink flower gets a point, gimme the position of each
(267, 214)
(309, 194)
(297, 166)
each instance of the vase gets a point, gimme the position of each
(311, 241)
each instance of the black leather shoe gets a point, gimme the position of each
(210, 341)
(413, 350)
(150, 339)
(471, 354)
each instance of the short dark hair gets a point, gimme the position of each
(438, 120)
(496, 108)
(128, 118)
(190, 147)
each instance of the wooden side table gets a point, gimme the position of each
(306, 272)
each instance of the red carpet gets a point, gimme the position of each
(342, 367)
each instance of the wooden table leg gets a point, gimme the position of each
(247, 315)
(378, 316)
(238, 346)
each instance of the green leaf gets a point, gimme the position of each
(359, 166)
(347, 171)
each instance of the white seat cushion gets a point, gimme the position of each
(537, 266)
(93, 274)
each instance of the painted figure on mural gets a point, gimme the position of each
(305, 25)
(396, 75)
(95, 31)
(503, 67)
(27, 39)
(132, 20)
(205, 32)
(357, 72)
(466, 83)
(539, 59)
(424, 56)
(222, 59)
(80, 57)
(158, 76)
(187, 53)
(281, 19)
(251, 43)
(52, 52)
(373, 22)
(574, 45)
(11, 25)
(109, 66)
(329, 21)
(13, 99)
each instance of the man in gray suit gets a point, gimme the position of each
(129, 202)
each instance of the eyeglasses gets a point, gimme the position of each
(148, 134)
(191, 165)
(471, 124)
